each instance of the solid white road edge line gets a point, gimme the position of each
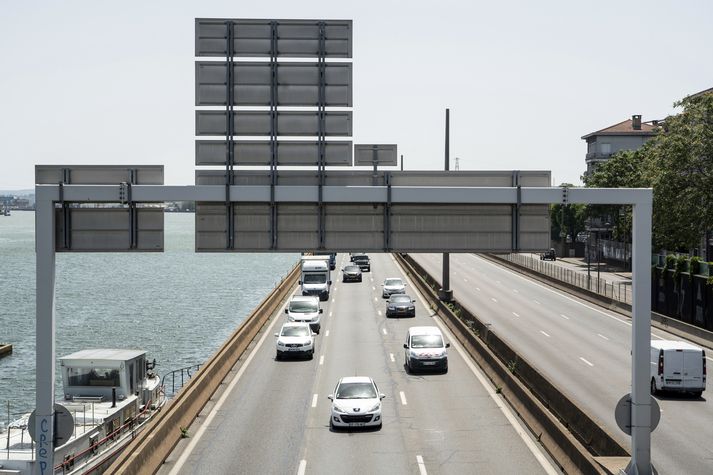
(499, 402)
(302, 468)
(421, 465)
(403, 398)
(206, 422)
(314, 400)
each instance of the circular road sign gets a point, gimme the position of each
(64, 425)
(622, 414)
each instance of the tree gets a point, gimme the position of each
(681, 172)
(625, 169)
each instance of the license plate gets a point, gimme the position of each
(357, 424)
(429, 363)
(294, 349)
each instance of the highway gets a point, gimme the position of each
(584, 350)
(273, 416)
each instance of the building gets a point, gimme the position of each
(630, 134)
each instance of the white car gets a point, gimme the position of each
(356, 402)
(393, 285)
(425, 349)
(305, 309)
(295, 339)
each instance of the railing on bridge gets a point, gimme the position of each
(172, 382)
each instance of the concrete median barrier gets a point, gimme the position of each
(149, 449)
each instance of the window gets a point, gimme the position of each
(605, 148)
(93, 377)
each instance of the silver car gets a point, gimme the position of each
(356, 402)
(393, 285)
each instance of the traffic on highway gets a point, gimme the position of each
(380, 395)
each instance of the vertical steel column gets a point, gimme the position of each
(641, 341)
(133, 216)
(273, 134)
(516, 212)
(446, 294)
(387, 213)
(230, 146)
(44, 338)
(322, 131)
(66, 218)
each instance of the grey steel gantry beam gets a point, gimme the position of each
(640, 199)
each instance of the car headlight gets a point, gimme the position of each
(280, 343)
(338, 409)
(391, 307)
(376, 407)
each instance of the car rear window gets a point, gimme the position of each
(356, 391)
(295, 331)
(351, 268)
(303, 307)
(426, 341)
(393, 282)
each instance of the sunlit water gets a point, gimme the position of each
(178, 306)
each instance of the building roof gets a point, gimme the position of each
(705, 91)
(624, 128)
(104, 354)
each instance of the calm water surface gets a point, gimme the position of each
(178, 306)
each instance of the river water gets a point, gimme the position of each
(179, 306)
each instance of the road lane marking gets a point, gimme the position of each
(538, 303)
(384, 330)
(564, 316)
(327, 334)
(465, 280)
(314, 400)
(373, 287)
(378, 312)
(421, 465)
(334, 299)
(516, 291)
(497, 281)
(494, 299)
(545, 333)
(330, 314)
(478, 289)
(403, 398)
(391, 355)
(375, 299)
(514, 313)
(207, 421)
(321, 360)
(602, 336)
(302, 467)
(587, 362)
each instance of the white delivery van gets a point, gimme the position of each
(316, 277)
(677, 366)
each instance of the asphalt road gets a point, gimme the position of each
(584, 350)
(273, 416)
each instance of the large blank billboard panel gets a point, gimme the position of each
(297, 84)
(259, 152)
(98, 174)
(253, 38)
(384, 155)
(258, 123)
(107, 230)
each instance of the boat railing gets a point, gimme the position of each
(172, 382)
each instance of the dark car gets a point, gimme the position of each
(400, 305)
(362, 260)
(548, 255)
(351, 273)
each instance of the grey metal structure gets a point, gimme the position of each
(384, 155)
(417, 193)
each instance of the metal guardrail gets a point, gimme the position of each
(618, 291)
(184, 374)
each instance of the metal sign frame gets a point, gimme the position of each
(640, 199)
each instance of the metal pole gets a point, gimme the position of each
(597, 261)
(446, 294)
(402, 162)
(641, 342)
(45, 328)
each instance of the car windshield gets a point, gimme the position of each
(356, 391)
(426, 341)
(400, 299)
(295, 331)
(393, 282)
(351, 268)
(314, 278)
(360, 258)
(303, 307)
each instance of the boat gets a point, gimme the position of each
(111, 394)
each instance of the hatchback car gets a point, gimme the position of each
(425, 349)
(305, 309)
(295, 339)
(400, 305)
(356, 402)
(351, 273)
(393, 285)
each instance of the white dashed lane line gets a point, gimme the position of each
(327, 334)
(391, 356)
(515, 313)
(383, 330)
(564, 316)
(516, 291)
(602, 337)
(586, 362)
(545, 333)
(478, 289)
(321, 360)
(314, 400)
(538, 303)
(421, 465)
(494, 299)
(373, 287)
(403, 398)
(378, 312)
(302, 468)
(330, 314)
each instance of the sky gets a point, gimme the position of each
(98, 82)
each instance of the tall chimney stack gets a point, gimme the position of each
(636, 122)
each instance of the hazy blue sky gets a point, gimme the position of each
(97, 82)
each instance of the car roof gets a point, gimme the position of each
(673, 345)
(400, 296)
(424, 331)
(356, 379)
(393, 278)
(304, 298)
(295, 324)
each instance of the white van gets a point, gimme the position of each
(306, 310)
(677, 366)
(316, 277)
(425, 348)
